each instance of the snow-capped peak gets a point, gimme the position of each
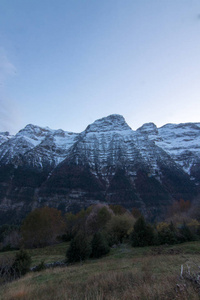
(148, 128)
(4, 136)
(33, 131)
(111, 123)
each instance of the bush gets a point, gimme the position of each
(166, 233)
(40, 267)
(6, 271)
(166, 236)
(143, 234)
(79, 249)
(185, 234)
(99, 245)
(9, 237)
(21, 263)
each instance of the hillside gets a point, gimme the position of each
(128, 273)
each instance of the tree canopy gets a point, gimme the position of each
(42, 226)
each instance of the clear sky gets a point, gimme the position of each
(66, 63)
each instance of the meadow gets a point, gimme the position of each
(125, 273)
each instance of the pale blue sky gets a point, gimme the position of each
(66, 63)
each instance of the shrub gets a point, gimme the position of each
(99, 245)
(166, 236)
(21, 263)
(6, 271)
(166, 233)
(40, 267)
(185, 234)
(9, 237)
(79, 249)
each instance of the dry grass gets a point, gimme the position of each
(105, 286)
(48, 254)
(123, 274)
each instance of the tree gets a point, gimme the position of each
(185, 234)
(143, 234)
(180, 207)
(76, 222)
(136, 212)
(99, 245)
(42, 227)
(117, 209)
(166, 233)
(71, 226)
(119, 227)
(79, 249)
(99, 216)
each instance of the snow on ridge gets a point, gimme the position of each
(35, 135)
(181, 142)
(100, 136)
(65, 141)
(4, 137)
(111, 123)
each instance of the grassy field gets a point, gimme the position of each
(126, 273)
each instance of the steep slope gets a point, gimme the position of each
(113, 163)
(181, 142)
(108, 162)
(33, 143)
(25, 163)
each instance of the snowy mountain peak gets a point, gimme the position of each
(148, 128)
(109, 162)
(111, 123)
(4, 136)
(5, 133)
(33, 131)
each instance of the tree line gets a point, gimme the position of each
(93, 231)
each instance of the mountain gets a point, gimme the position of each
(108, 162)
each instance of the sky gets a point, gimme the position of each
(66, 63)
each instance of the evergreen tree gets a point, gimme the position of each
(185, 234)
(167, 236)
(143, 234)
(79, 249)
(99, 245)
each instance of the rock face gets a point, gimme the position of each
(109, 162)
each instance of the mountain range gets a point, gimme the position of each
(108, 162)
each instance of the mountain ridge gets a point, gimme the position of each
(148, 168)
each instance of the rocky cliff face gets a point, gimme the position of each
(109, 162)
